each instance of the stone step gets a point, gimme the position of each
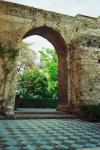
(28, 112)
(44, 116)
(40, 116)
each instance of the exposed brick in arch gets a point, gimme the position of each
(52, 36)
(83, 33)
(59, 44)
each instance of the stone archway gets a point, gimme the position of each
(66, 33)
(60, 46)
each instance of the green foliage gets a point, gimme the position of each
(32, 84)
(50, 62)
(27, 56)
(41, 82)
(92, 110)
(14, 52)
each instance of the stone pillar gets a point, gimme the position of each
(63, 83)
(8, 67)
(69, 82)
(75, 77)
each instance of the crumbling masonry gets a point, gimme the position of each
(77, 43)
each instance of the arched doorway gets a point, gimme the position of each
(59, 44)
(37, 73)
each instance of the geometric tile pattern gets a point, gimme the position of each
(48, 134)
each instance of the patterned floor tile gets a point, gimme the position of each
(48, 134)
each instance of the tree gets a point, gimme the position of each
(41, 80)
(49, 60)
(32, 84)
(27, 57)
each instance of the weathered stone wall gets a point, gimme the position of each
(91, 74)
(76, 40)
(8, 78)
(75, 74)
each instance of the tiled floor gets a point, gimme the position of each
(47, 134)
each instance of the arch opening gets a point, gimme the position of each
(59, 44)
(52, 36)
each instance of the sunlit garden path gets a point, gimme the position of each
(48, 134)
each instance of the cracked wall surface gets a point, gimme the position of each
(77, 43)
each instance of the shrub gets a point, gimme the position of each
(32, 84)
(92, 110)
(36, 103)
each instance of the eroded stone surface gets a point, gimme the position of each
(76, 40)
